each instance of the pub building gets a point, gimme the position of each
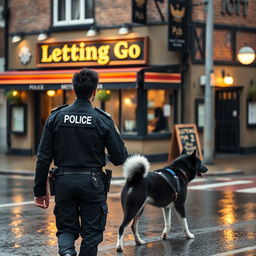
(149, 79)
(130, 89)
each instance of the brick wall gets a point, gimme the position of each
(110, 12)
(119, 12)
(29, 15)
(152, 12)
(198, 14)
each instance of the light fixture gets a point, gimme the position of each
(246, 55)
(93, 31)
(51, 93)
(227, 78)
(42, 36)
(125, 29)
(15, 93)
(16, 38)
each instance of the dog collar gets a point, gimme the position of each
(171, 171)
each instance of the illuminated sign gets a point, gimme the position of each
(93, 53)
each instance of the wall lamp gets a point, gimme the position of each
(227, 78)
(125, 29)
(246, 55)
(42, 36)
(51, 93)
(93, 31)
(16, 38)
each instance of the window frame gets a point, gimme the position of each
(68, 21)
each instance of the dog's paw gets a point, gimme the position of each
(140, 242)
(190, 236)
(164, 236)
(119, 248)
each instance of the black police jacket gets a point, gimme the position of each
(76, 136)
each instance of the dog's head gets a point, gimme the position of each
(191, 164)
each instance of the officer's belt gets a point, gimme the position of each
(77, 170)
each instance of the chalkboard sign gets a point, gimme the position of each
(184, 136)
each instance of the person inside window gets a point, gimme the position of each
(160, 121)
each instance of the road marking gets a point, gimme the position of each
(114, 194)
(220, 184)
(247, 190)
(19, 177)
(18, 204)
(245, 249)
(117, 181)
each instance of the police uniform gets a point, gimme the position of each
(75, 137)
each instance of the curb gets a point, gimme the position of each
(211, 173)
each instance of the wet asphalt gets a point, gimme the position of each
(223, 221)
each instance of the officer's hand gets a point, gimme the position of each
(42, 201)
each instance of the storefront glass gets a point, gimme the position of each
(112, 106)
(159, 111)
(49, 100)
(129, 103)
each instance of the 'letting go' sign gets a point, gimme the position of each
(93, 53)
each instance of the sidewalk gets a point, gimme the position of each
(223, 165)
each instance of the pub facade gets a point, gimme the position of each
(154, 70)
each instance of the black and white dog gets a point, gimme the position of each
(163, 188)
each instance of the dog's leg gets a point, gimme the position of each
(119, 244)
(167, 222)
(134, 204)
(135, 222)
(180, 212)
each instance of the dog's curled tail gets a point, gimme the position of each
(135, 167)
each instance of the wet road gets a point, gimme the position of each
(221, 213)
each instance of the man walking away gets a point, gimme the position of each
(75, 137)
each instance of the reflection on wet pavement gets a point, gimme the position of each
(221, 221)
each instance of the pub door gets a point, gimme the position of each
(227, 108)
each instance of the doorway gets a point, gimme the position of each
(227, 132)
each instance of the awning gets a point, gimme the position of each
(62, 79)
(162, 77)
(159, 77)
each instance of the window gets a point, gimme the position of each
(160, 111)
(72, 12)
(1, 17)
(128, 106)
(223, 48)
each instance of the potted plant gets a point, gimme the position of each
(103, 96)
(14, 97)
(252, 93)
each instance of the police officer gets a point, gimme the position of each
(75, 137)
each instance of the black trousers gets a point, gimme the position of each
(80, 208)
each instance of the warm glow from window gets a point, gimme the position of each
(50, 93)
(128, 101)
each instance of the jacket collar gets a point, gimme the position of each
(83, 102)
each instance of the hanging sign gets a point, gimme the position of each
(177, 25)
(139, 11)
(106, 52)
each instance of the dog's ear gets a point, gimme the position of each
(183, 152)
